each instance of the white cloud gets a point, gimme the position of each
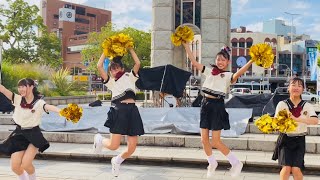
(300, 5)
(255, 27)
(132, 22)
(314, 30)
(126, 6)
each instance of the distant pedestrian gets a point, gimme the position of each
(213, 114)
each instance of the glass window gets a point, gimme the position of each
(249, 44)
(234, 44)
(187, 12)
(241, 44)
(198, 13)
(81, 10)
(178, 13)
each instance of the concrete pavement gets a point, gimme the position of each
(66, 170)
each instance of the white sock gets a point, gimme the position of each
(24, 176)
(32, 176)
(211, 159)
(119, 159)
(232, 159)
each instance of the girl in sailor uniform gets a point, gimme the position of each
(213, 115)
(26, 140)
(290, 148)
(123, 117)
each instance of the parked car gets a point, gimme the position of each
(308, 96)
(281, 90)
(242, 91)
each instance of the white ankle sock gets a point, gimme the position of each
(32, 176)
(119, 159)
(232, 159)
(23, 176)
(211, 159)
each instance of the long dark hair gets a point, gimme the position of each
(30, 82)
(116, 62)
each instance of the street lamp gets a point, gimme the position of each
(291, 38)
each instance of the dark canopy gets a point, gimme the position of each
(173, 79)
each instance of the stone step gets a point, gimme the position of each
(6, 119)
(257, 159)
(249, 142)
(313, 130)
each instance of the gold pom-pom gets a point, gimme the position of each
(262, 55)
(72, 113)
(265, 124)
(182, 34)
(284, 122)
(117, 45)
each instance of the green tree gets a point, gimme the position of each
(142, 45)
(18, 29)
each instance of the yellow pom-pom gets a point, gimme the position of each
(182, 34)
(262, 55)
(265, 124)
(285, 122)
(117, 45)
(72, 113)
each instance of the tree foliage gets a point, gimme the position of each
(142, 45)
(20, 25)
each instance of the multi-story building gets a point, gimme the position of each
(278, 27)
(241, 41)
(72, 23)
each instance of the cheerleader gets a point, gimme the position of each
(123, 116)
(291, 147)
(213, 115)
(26, 140)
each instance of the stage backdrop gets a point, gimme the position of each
(183, 120)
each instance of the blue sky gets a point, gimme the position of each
(249, 13)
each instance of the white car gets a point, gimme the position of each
(242, 91)
(307, 96)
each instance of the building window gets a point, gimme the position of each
(249, 44)
(178, 13)
(79, 32)
(189, 13)
(83, 21)
(55, 16)
(81, 10)
(91, 15)
(198, 13)
(241, 44)
(69, 6)
(234, 44)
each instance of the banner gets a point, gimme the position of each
(312, 54)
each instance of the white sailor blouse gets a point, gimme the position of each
(122, 88)
(216, 84)
(303, 110)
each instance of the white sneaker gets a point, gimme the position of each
(115, 167)
(211, 169)
(97, 143)
(236, 170)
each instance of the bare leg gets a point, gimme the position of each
(113, 143)
(285, 173)
(205, 142)
(131, 146)
(15, 161)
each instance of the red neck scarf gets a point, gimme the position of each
(216, 71)
(119, 74)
